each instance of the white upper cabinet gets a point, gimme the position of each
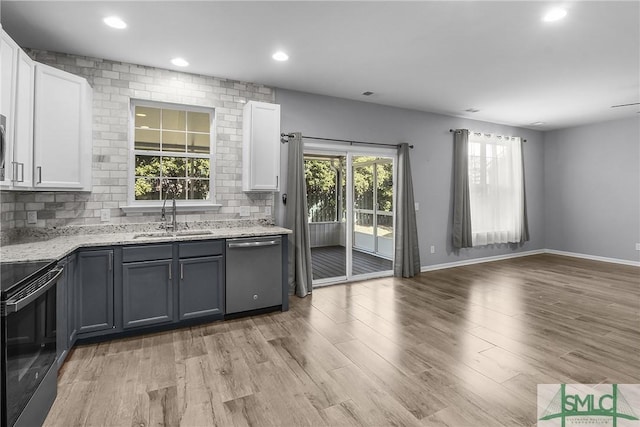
(261, 147)
(62, 132)
(48, 121)
(23, 143)
(8, 83)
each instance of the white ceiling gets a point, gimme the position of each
(438, 56)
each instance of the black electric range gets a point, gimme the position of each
(28, 345)
(13, 274)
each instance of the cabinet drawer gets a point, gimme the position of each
(146, 253)
(196, 249)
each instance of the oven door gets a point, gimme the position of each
(29, 350)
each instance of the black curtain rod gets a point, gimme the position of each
(290, 135)
(455, 130)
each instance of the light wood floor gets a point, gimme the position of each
(456, 347)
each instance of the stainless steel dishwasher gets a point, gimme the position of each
(254, 273)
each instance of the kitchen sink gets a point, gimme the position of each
(158, 234)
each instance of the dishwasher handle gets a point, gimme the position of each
(253, 244)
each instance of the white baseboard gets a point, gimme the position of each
(480, 260)
(527, 253)
(594, 257)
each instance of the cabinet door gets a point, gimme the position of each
(62, 287)
(72, 301)
(95, 291)
(62, 133)
(261, 147)
(201, 286)
(147, 293)
(23, 145)
(8, 69)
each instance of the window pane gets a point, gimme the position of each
(147, 189)
(174, 120)
(174, 167)
(173, 141)
(321, 179)
(385, 186)
(147, 166)
(198, 122)
(174, 187)
(147, 116)
(198, 168)
(198, 189)
(198, 143)
(363, 187)
(146, 139)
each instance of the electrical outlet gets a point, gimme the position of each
(417, 206)
(245, 211)
(267, 210)
(32, 217)
(105, 215)
(433, 249)
(637, 246)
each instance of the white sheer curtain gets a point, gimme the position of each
(496, 191)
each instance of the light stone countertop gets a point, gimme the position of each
(58, 247)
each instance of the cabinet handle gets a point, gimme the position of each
(277, 177)
(21, 172)
(110, 261)
(14, 171)
(39, 175)
(181, 271)
(169, 271)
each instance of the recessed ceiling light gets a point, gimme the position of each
(144, 127)
(471, 110)
(537, 123)
(367, 93)
(280, 56)
(554, 15)
(141, 115)
(179, 62)
(115, 22)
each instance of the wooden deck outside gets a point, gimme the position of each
(330, 261)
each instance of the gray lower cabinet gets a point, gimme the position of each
(66, 309)
(201, 286)
(94, 291)
(147, 293)
(72, 300)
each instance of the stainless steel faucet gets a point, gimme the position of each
(163, 217)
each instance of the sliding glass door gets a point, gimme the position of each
(350, 199)
(372, 247)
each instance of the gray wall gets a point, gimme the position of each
(592, 189)
(431, 161)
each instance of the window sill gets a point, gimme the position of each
(181, 207)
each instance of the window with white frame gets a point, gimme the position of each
(496, 189)
(171, 153)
